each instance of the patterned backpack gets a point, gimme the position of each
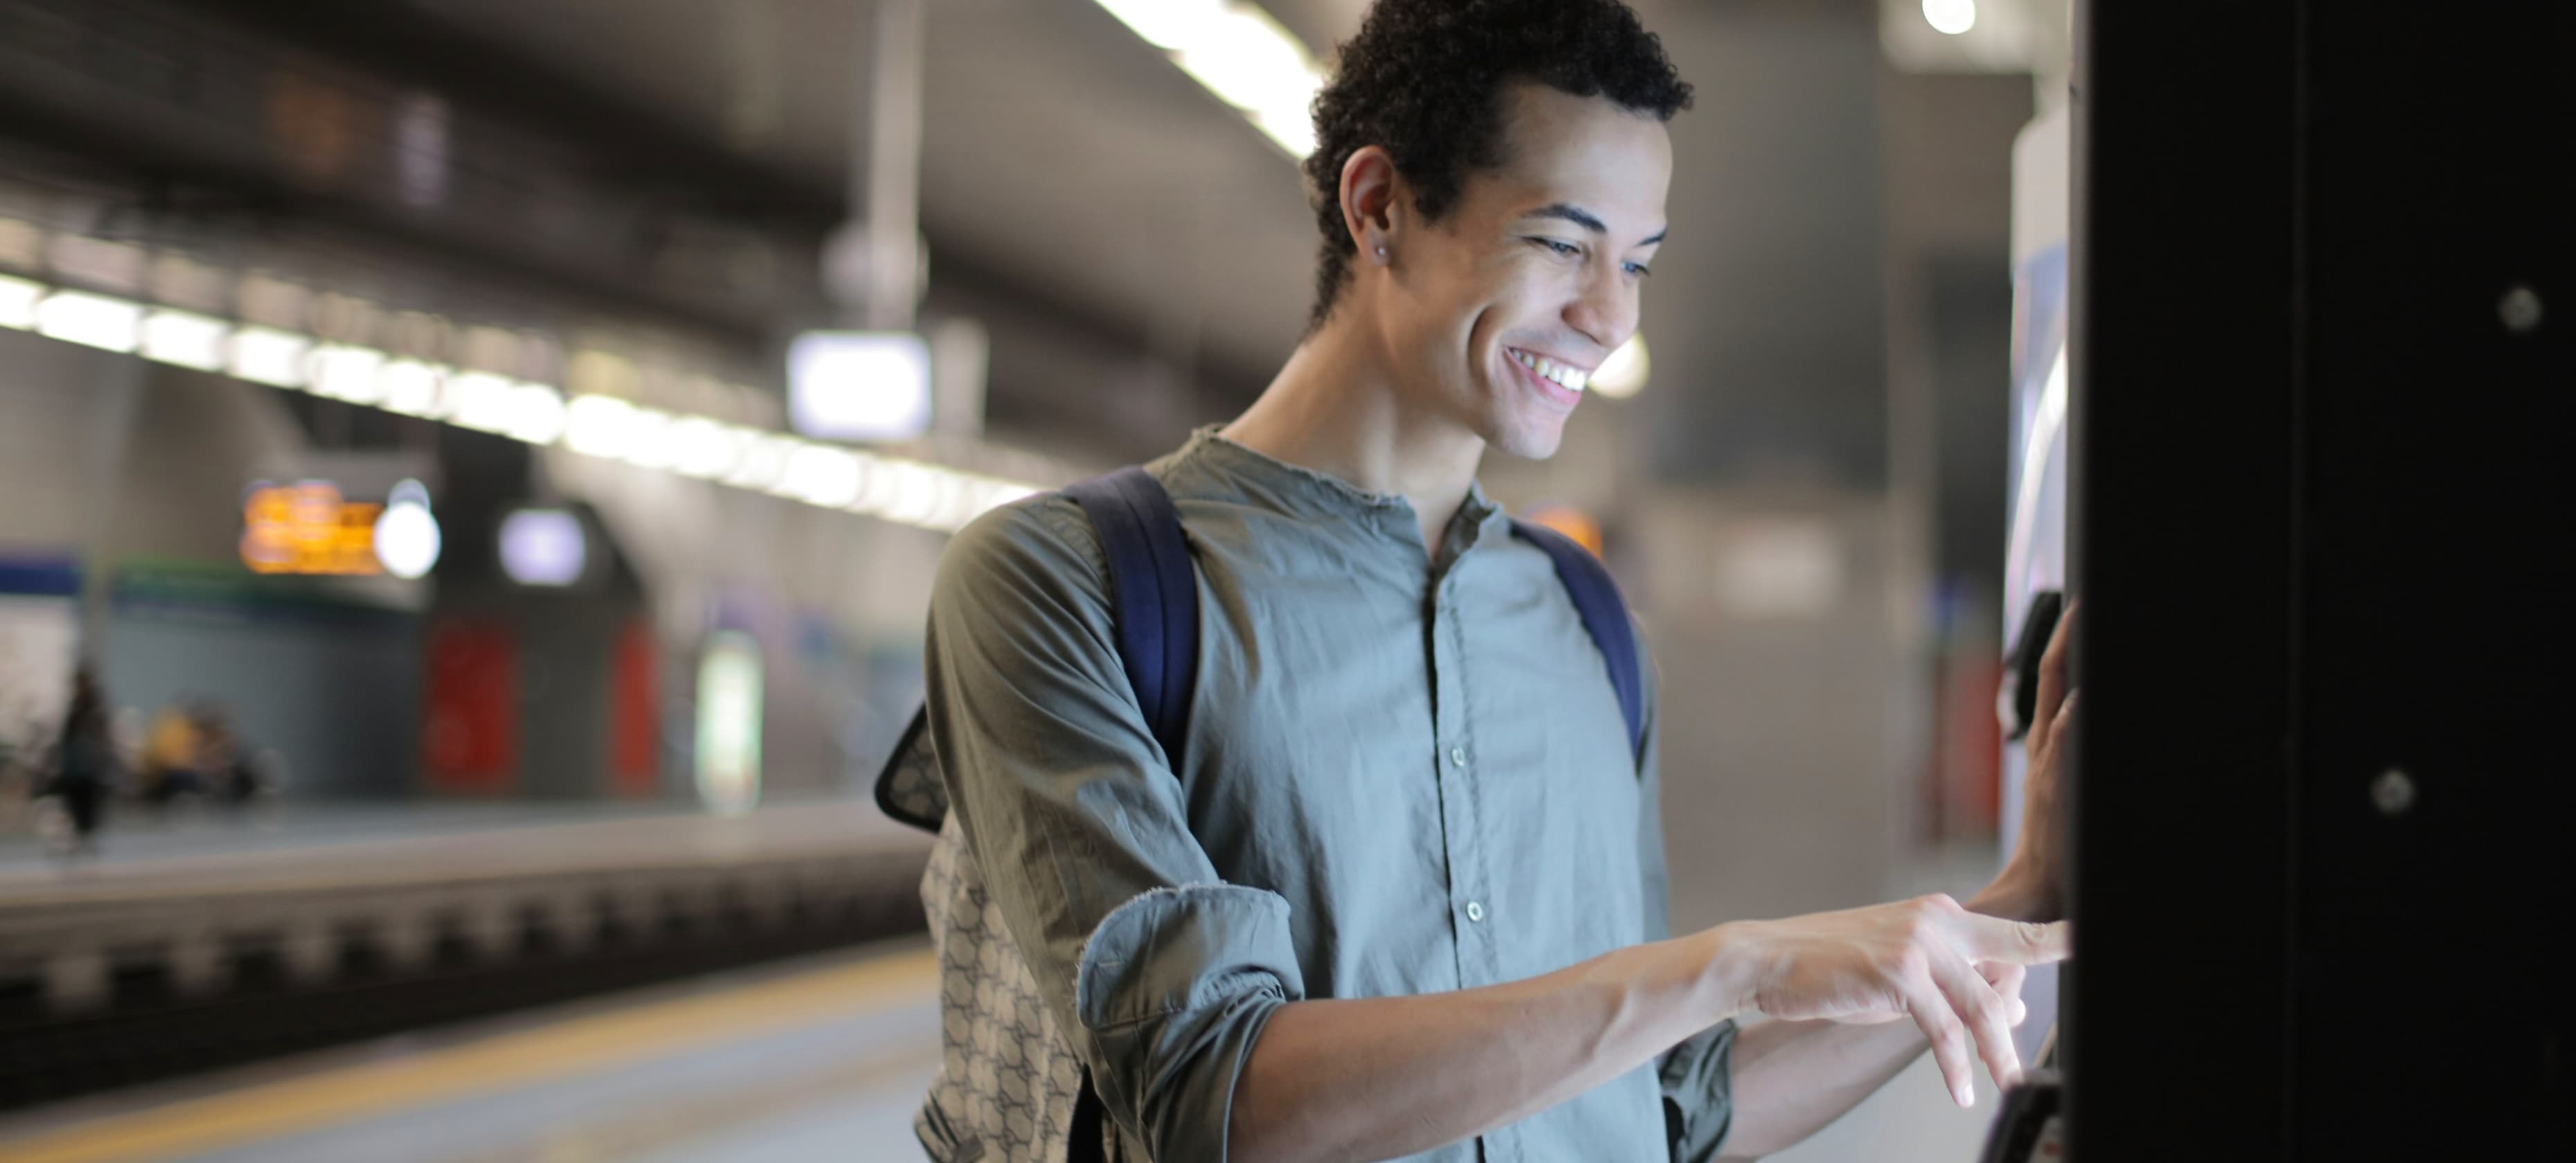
(1010, 1088)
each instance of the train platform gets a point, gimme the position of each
(198, 949)
(212, 845)
(822, 1057)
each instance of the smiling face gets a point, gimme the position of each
(1499, 310)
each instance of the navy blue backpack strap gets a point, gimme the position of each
(1154, 601)
(1605, 617)
(1154, 593)
(1154, 596)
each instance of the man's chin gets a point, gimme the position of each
(1528, 440)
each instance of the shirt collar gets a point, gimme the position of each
(1316, 496)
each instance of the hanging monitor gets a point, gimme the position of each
(859, 385)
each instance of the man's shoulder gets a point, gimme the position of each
(1040, 538)
(1049, 532)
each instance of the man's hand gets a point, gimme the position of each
(2033, 882)
(1955, 973)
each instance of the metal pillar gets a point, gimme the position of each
(885, 174)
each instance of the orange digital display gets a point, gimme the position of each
(308, 528)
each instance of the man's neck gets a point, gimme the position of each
(1335, 408)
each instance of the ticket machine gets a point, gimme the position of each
(2314, 486)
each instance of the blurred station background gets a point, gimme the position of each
(492, 456)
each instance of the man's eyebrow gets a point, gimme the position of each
(1585, 219)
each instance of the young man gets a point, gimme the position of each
(1405, 895)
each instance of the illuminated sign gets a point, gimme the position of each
(729, 711)
(543, 547)
(859, 385)
(309, 528)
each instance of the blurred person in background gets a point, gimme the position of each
(231, 769)
(173, 750)
(84, 770)
(1302, 944)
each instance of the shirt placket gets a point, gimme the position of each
(1473, 915)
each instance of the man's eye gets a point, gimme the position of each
(1564, 248)
(1638, 269)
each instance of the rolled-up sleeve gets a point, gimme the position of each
(1697, 1075)
(1160, 975)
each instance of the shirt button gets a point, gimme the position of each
(1458, 756)
(1475, 911)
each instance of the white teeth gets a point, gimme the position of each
(1572, 379)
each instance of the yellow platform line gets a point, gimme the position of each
(545, 1054)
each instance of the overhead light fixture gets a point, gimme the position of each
(543, 547)
(99, 321)
(821, 475)
(859, 385)
(265, 355)
(348, 373)
(185, 339)
(409, 387)
(646, 446)
(921, 494)
(477, 400)
(1624, 373)
(18, 299)
(1239, 53)
(1952, 17)
(763, 460)
(407, 537)
(536, 414)
(601, 426)
(702, 448)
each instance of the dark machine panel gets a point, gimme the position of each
(2322, 400)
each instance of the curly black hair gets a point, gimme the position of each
(1424, 79)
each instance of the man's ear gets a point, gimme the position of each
(1373, 203)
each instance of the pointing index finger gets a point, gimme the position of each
(1993, 939)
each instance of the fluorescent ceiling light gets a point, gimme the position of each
(701, 447)
(1166, 24)
(18, 299)
(820, 475)
(600, 426)
(1240, 54)
(407, 537)
(409, 387)
(763, 460)
(536, 414)
(265, 355)
(646, 446)
(99, 321)
(185, 339)
(348, 373)
(1953, 17)
(477, 400)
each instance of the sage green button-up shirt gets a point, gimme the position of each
(1404, 775)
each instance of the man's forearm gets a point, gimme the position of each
(1378, 1078)
(1792, 1079)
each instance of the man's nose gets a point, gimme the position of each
(1605, 312)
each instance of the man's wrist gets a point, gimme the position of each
(1729, 976)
